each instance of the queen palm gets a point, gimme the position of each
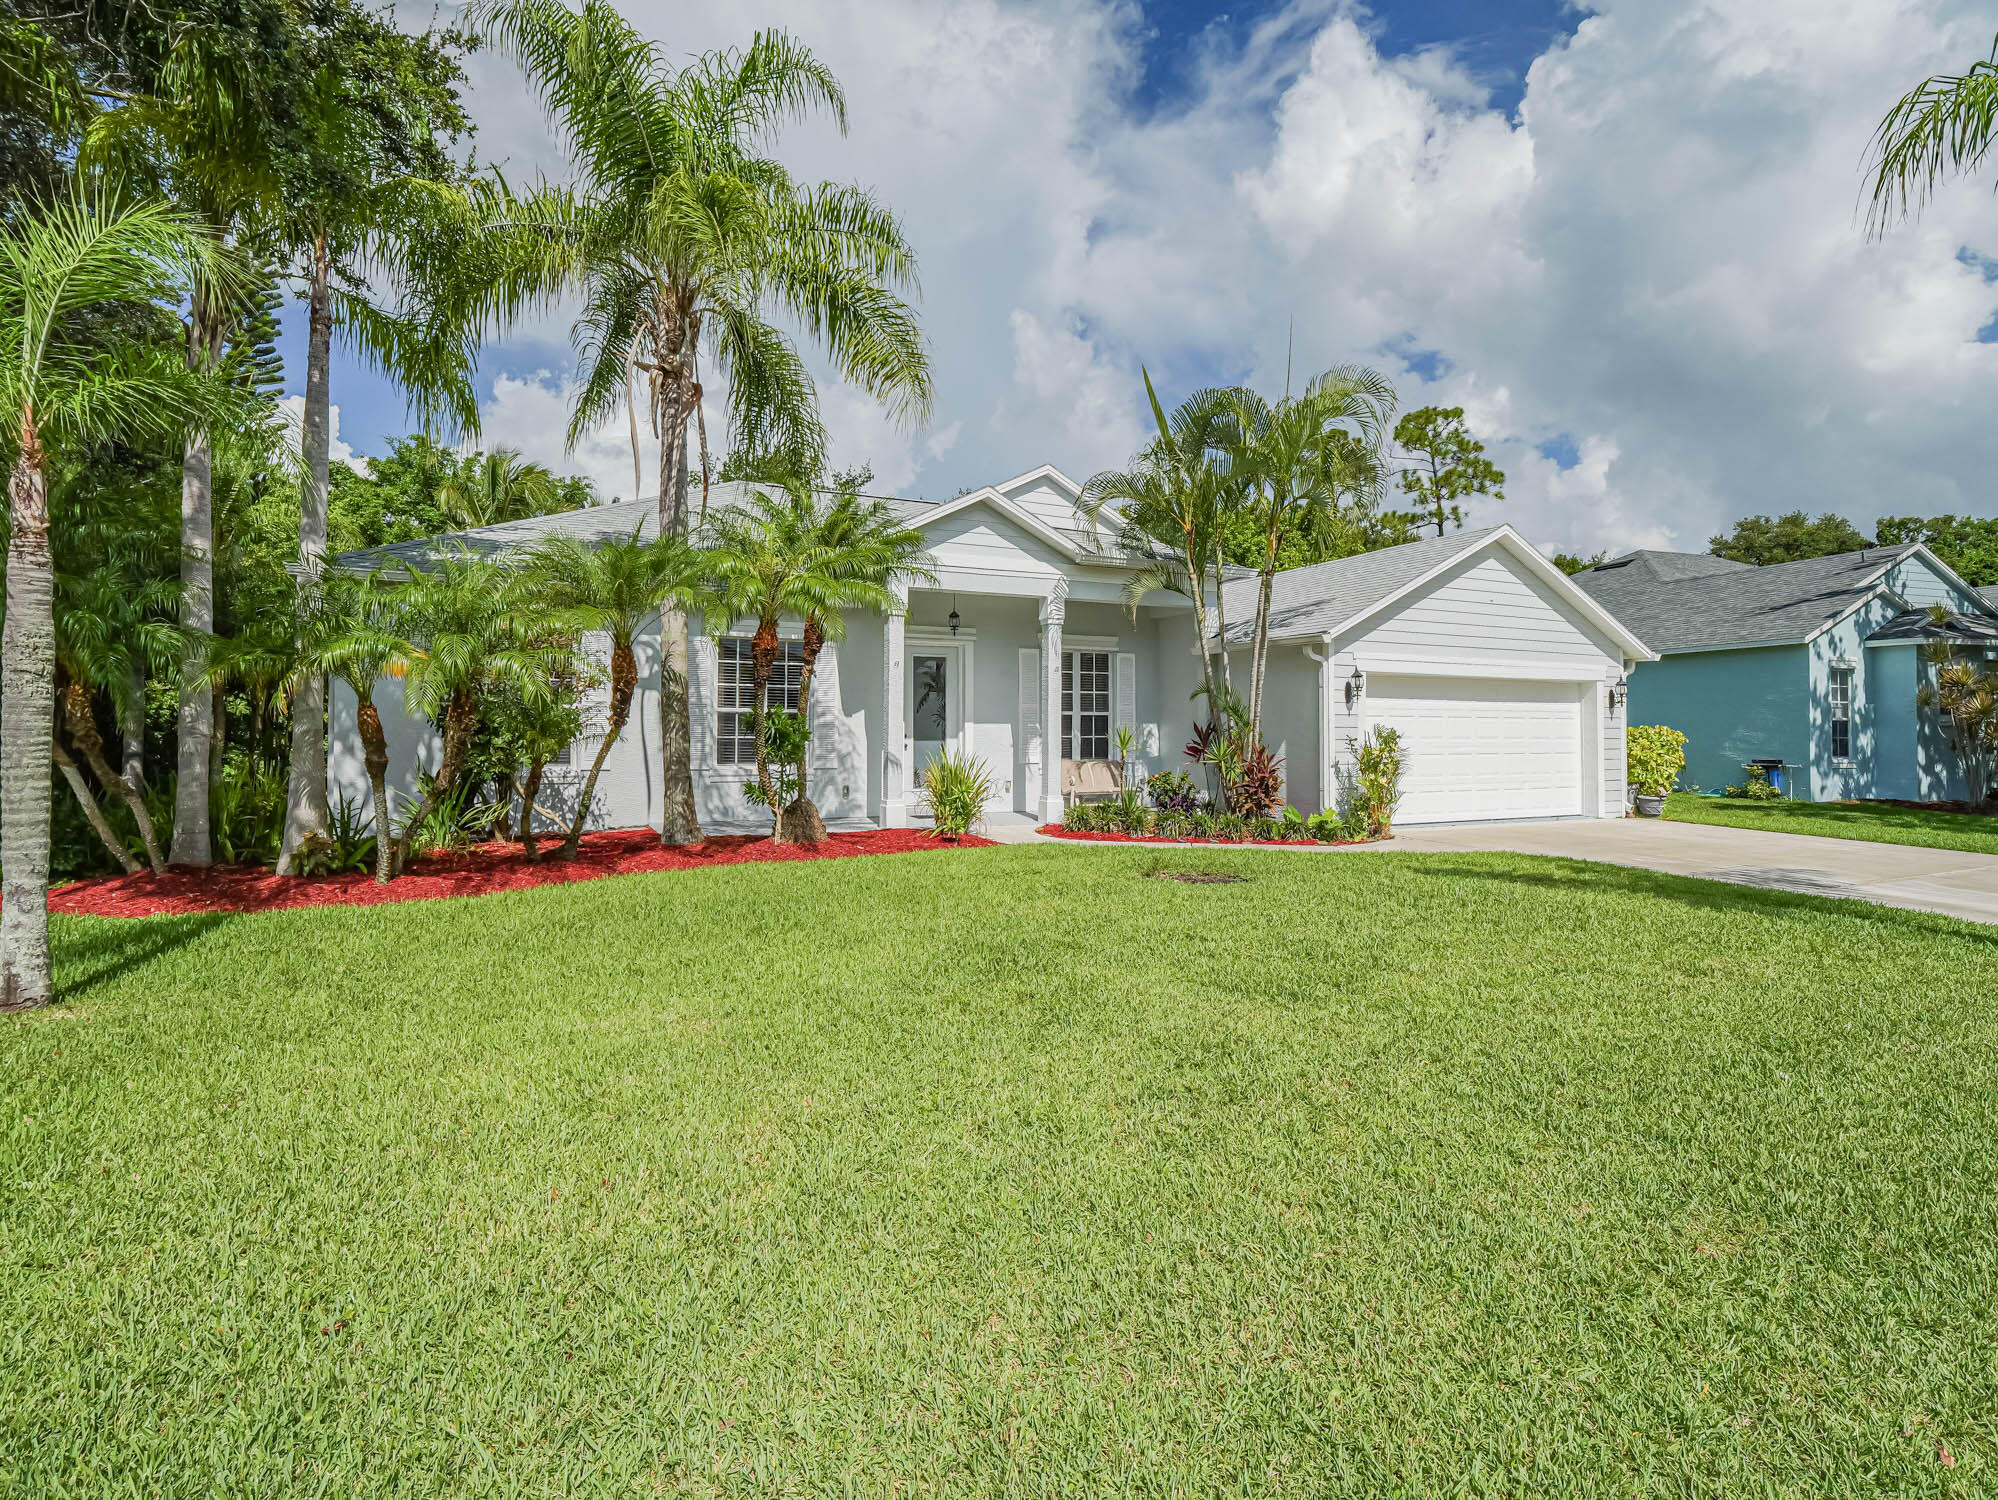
(676, 227)
(211, 137)
(476, 624)
(363, 186)
(487, 488)
(58, 393)
(1288, 457)
(1944, 125)
(615, 590)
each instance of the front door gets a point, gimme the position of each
(936, 704)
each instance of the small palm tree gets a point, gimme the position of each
(1286, 458)
(487, 488)
(476, 624)
(789, 554)
(615, 590)
(1945, 124)
(357, 632)
(58, 393)
(1175, 495)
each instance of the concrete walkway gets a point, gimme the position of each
(1938, 880)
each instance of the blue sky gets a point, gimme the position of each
(1638, 269)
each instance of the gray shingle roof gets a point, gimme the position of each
(593, 524)
(1920, 625)
(1310, 601)
(1679, 601)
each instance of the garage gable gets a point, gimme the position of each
(1491, 610)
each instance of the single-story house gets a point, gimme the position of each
(1811, 666)
(1503, 677)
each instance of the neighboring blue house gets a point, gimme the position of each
(1814, 664)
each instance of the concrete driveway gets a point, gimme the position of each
(1938, 880)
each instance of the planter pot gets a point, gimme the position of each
(1650, 807)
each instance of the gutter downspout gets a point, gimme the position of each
(1327, 754)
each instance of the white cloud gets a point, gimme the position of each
(531, 413)
(1656, 264)
(291, 411)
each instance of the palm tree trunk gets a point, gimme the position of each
(92, 813)
(1221, 624)
(802, 822)
(1197, 577)
(27, 731)
(374, 749)
(679, 821)
(133, 727)
(306, 812)
(623, 683)
(1259, 657)
(196, 727)
(762, 658)
(82, 722)
(528, 842)
(461, 717)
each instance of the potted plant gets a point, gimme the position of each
(1654, 756)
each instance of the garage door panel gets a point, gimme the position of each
(1479, 748)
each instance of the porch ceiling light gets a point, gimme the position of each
(956, 619)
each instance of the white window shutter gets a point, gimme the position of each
(1126, 700)
(704, 692)
(1030, 707)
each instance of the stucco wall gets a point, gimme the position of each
(1732, 706)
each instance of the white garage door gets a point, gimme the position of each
(1483, 748)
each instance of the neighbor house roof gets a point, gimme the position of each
(1921, 625)
(1687, 601)
(1327, 598)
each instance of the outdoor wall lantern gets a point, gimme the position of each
(1619, 690)
(956, 619)
(1355, 685)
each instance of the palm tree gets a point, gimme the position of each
(773, 556)
(615, 590)
(363, 187)
(1175, 495)
(211, 138)
(59, 393)
(487, 488)
(1943, 125)
(356, 631)
(676, 227)
(871, 548)
(1287, 456)
(476, 624)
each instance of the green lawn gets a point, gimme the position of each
(1011, 1172)
(1873, 822)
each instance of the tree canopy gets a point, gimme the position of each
(1791, 537)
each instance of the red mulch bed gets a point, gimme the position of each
(1056, 831)
(483, 870)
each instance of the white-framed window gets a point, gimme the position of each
(735, 693)
(1841, 713)
(1085, 705)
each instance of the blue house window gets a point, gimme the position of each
(1841, 713)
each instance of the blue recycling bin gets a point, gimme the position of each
(1778, 776)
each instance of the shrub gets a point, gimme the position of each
(1128, 813)
(349, 846)
(1378, 771)
(1758, 787)
(1348, 826)
(1654, 757)
(1172, 792)
(957, 787)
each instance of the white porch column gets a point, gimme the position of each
(1053, 607)
(894, 741)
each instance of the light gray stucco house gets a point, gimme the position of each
(1813, 665)
(1500, 673)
